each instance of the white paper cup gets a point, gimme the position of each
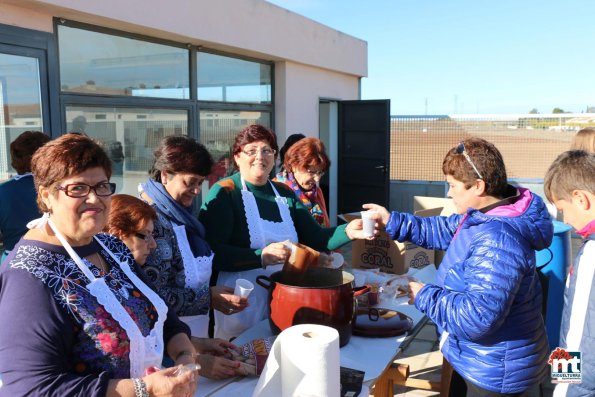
(337, 260)
(243, 288)
(369, 221)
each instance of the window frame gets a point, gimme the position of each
(192, 105)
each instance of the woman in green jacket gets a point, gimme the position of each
(248, 219)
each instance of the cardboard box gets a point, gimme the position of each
(424, 203)
(387, 255)
(446, 207)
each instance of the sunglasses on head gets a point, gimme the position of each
(461, 150)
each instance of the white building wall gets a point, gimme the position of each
(297, 104)
(249, 27)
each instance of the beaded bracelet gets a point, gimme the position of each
(140, 388)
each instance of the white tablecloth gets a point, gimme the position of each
(370, 355)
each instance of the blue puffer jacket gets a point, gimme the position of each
(487, 301)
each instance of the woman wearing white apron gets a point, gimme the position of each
(248, 218)
(132, 221)
(82, 321)
(181, 265)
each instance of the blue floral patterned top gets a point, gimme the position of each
(62, 327)
(165, 269)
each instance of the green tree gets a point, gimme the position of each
(533, 111)
(558, 110)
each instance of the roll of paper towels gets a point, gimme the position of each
(303, 362)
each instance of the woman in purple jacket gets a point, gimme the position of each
(487, 298)
(78, 318)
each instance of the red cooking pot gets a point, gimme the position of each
(325, 296)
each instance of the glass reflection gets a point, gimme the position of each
(20, 103)
(99, 63)
(130, 135)
(226, 79)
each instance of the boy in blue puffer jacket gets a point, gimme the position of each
(487, 299)
(570, 185)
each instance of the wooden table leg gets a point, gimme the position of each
(385, 384)
(445, 378)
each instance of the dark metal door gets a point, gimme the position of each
(364, 148)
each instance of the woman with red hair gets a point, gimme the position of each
(304, 164)
(132, 221)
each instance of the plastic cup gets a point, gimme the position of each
(369, 221)
(243, 288)
(337, 260)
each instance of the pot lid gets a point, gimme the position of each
(380, 322)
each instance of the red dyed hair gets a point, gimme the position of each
(254, 133)
(306, 153)
(64, 157)
(128, 215)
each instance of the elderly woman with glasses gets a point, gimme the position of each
(180, 267)
(132, 221)
(78, 318)
(305, 163)
(487, 299)
(248, 218)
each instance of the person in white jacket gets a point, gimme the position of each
(570, 185)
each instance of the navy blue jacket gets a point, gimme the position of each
(487, 298)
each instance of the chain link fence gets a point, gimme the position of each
(529, 143)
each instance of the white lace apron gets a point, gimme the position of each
(197, 271)
(145, 351)
(262, 233)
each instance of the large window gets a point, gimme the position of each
(129, 136)
(99, 63)
(130, 91)
(224, 79)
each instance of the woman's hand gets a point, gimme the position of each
(223, 299)
(414, 287)
(382, 213)
(355, 230)
(213, 346)
(165, 383)
(275, 253)
(214, 367)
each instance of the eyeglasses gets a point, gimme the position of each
(266, 152)
(461, 150)
(78, 190)
(315, 174)
(146, 237)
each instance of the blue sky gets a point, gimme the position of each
(469, 56)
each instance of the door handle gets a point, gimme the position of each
(380, 167)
